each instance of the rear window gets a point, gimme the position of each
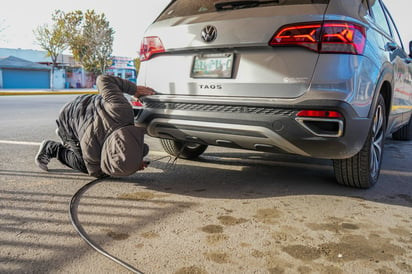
(181, 8)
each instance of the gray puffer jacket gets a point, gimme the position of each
(103, 127)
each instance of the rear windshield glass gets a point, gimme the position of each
(179, 8)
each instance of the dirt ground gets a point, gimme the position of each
(190, 233)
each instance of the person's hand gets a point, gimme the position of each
(143, 91)
(143, 165)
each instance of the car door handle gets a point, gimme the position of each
(390, 46)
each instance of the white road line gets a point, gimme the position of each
(19, 143)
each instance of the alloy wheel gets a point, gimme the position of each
(377, 141)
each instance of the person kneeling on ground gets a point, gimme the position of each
(98, 132)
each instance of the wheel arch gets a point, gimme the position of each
(386, 91)
(384, 86)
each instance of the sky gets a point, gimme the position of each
(128, 18)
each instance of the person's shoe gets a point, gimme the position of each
(145, 150)
(42, 159)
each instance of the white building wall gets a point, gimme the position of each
(59, 78)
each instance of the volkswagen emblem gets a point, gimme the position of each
(209, 33)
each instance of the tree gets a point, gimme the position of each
(90, 38)
(53, 40)
(137, 64)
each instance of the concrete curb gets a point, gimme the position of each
(46, 92)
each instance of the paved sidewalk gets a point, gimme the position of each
(5, 92)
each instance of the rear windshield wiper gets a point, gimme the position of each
(231, 5)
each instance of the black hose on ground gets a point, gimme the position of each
(74, 203)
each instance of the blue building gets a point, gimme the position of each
(123, 67)
(16, 73)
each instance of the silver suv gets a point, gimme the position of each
(320, 78)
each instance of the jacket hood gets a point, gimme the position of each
(122, 151)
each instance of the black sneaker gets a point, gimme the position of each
(145, 150)
(42, 159)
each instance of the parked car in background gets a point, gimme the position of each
(326, 79)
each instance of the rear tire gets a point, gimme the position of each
(362, 170)
(181, 149)
(404, 133)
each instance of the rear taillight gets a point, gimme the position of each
(319, 114)
(326, 37)
(136, 103)
(302, 35)
(150, 45)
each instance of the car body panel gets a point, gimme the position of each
(259, 73)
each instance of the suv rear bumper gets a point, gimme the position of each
(263, 127)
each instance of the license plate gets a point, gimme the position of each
(213, 66)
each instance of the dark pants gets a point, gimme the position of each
(69, 153)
